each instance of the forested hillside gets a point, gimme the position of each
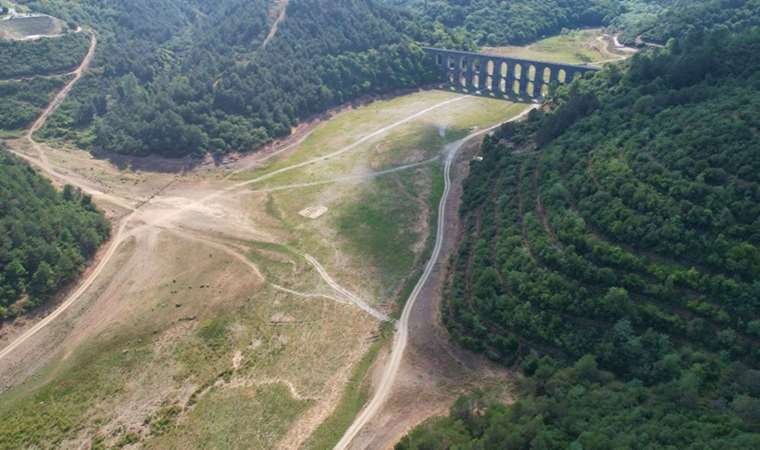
(22, 101)
(46, 236)
(612, 251)
(41, 57)
(515, 22)
(659, 20)
(196, 78)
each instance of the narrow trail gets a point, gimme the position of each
(218, 246)
(349, 298)
(73, 298)
(308, 295)
(42, 161)
(272, 33)
(56, 175)
(256, 162)
(346, 177)
(364, 306)
(280, 18)
(606, 40)
(383, 390)
(61, 96)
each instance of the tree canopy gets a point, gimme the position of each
(46, 236)
(612, 252)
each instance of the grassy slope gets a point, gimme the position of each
(574, 47)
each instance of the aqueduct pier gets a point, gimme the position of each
(501, 76)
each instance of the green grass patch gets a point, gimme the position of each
(234, 418)
(354, 397)
(377, 226)
(203, 354)
(436, 193)
(570, 47)
(56, 404)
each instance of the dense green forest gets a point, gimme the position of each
(22, 101)
(516, 22)
(197, 78)
(46, 236)
(612, 251)
(42, 56)
(178, 83)
(659, 20)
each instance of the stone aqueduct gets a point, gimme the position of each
(502, 77)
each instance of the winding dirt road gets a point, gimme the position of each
(361, 304)
(280, 17)
(61, 96)
(383, 390)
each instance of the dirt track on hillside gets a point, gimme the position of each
(424, 370)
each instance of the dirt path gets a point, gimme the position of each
(613, 49)
(42, 161)
(347, 177)
(283, 4)
(165, 217)
(361, 304)
(386, 383)
(45, 165)
(73, 298)
(348, 296)
(61, 96)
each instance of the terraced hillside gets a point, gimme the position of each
(612, 250)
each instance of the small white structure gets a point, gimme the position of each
(313, 212)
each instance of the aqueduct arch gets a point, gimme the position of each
(502, 77)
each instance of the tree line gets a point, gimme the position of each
(46, 236)
(517, 22)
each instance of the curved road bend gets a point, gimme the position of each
(383, 391)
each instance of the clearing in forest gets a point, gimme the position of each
(587, 46)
